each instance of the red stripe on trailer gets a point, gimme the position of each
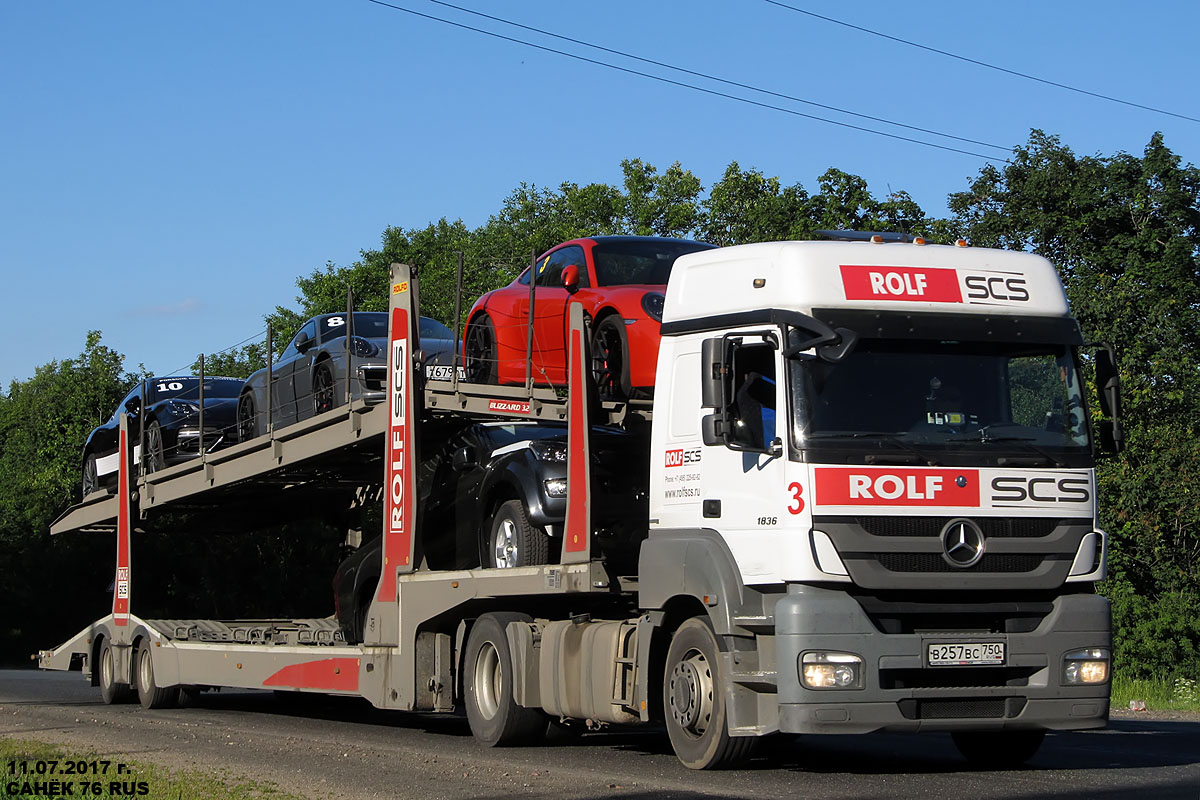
(330, 675)
(575, 535)
(121, 585)
(398, 510)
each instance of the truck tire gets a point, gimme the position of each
(513, 541)
(111, 692)
(998, 749)
(496, 719)
(149, 692)
(694, 700)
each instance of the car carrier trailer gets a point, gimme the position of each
(827, 552)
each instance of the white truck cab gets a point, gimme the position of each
(880, 453)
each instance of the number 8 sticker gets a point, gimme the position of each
(797, 491)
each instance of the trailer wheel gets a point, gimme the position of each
(496, 719)
(150, 693)
(111, 692)
(998, 749)
(694, 703)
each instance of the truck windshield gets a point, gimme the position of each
(943, 400)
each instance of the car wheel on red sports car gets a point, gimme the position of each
(480, 350)
(609, 363)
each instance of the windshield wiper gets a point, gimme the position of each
(1023, 441)
(912, 455)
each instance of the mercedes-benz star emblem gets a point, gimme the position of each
(962, 543)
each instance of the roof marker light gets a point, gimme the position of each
(961, 243)
(877, 239)
(760, 283)
(919, 240)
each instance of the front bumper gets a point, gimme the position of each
(901, 693)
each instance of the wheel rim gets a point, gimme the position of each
(106, 668)
(487, 680)
(323, 391)
(505, 551)
(145, 672)
(154, 445)
(89, 475)
(606, 359)
(246, 418)
(479, 352)
(691, 694)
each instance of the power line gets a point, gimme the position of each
(977, 62)
(684, 85)
(706, 76)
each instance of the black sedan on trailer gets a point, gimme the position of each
(494, 495)
(309, 377)
(172, 425)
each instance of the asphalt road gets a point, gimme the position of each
(338, 748)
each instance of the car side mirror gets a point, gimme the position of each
(570, 278)
(303, 341)
(463, 458)
(133, 406)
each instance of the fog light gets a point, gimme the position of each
(1085, 666)
(822, 670)
(556, 487)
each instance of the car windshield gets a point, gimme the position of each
(433, 329)
(502, 434)
(941, 397)
(185, 388)
(633, 262)
(367, 324)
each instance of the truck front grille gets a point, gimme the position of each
(933, 562)
(962, 708)
(993, 527)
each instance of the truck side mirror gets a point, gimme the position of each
(712, 373)
(570, 278)
(1108, 386)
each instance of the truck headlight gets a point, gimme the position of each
(824, 670)
(1085, 666)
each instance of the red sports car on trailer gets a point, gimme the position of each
(620, 280)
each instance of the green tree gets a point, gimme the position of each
(1124, 232)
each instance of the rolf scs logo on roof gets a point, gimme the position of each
(933, 284)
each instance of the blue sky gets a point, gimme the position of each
(169, 169)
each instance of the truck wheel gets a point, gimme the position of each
(998, 749)
(150, 693)
(609, 363)
(514, 541)
(111, 692)
(694, 703)
(480, 351)
(496, 719)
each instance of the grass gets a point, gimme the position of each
(22, 759)
(1181, 694)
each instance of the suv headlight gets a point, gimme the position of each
(1089, 666)
(554, 452)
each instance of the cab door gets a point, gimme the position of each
(744, 468)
